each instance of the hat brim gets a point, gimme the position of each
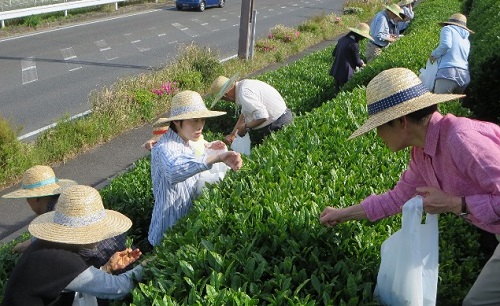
(224, 89)
(44, 191)
(400, 14)
(445, 23)
(402, 109)
(365, 35)
(405, 2)
(190, 115)
(113, 224)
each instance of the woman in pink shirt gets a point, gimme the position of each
(455, 165)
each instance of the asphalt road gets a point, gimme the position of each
(49, 74)
(100, 165)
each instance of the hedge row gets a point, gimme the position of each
(255, 237)
(484, 91)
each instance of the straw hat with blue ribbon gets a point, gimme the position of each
(79, 218)
(394, 93)
(39, 181)
(187, 104)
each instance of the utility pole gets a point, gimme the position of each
(245, 21)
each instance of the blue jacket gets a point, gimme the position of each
(453, 49)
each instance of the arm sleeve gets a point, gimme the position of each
(179, 167)
(390, 203)
(103, 285)
(251, 103)
(480, 162)
(445, 43)
(381, 29)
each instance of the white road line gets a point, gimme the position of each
(28, 70)
(71, 59)
(106, 50)
(185, 29)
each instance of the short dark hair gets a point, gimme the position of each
(173, 127)
(418, 116)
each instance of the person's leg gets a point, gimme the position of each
(444, 86)
(485, 290)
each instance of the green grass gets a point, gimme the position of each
(124, 105)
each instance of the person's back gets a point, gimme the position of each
(455, 48)
(41, 274)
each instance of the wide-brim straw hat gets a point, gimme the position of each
(39, 181)
(79, 218)
(394, 93)
(457, 19)
(187, 104)
(220, 86)
(404, 2)
(362, 29)
(396, 10)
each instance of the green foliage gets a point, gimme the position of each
(484, 61)
(144, 99)
(8, 260)
(352, 10)
(32, 21)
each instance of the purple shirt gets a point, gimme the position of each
(461, 157)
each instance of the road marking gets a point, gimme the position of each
(71, 59)
(28, 70)
(137, 43)
(185, 29)
(206, 25)
(106, 50)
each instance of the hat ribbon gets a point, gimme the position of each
(457, 21)
(397, 98)
(65, 220)
(41, 183)
(185, 109)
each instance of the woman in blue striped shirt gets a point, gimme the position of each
(175, 168)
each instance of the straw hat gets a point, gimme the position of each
(457, 19)
(362, 29)
(394, 93)
(220, 86)
(396, 10)
(79, 218)
(39, 181)
(187, 104)
(404, 2)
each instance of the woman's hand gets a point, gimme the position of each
(232, 159)
(121, 260)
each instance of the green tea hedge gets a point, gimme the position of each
(484, 60)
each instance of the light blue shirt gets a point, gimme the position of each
(103, 285)
(452, 55)
(454, 47)
(174, 172)
(381, 28)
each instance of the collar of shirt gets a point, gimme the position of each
(432, 135)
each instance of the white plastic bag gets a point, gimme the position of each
(215, 174)
(84, 299)
(408, 271)
(428, 74)
(241, 144)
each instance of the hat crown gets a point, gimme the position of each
(395, 9)
(363, 27)
(38, 176)
(458, 17)
(185, 102)
(79, 205)
(390, 82)
(217, 84)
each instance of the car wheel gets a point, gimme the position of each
(202, 6)
(179, 7)
(222, 3)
